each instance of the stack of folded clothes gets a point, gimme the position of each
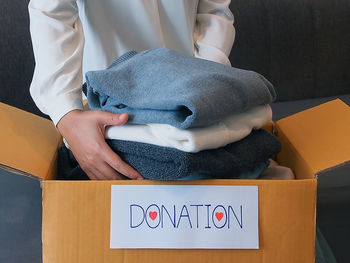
(189, 118)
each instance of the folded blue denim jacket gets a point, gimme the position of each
(164, 86)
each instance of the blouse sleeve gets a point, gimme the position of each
(214, 31)
(58, 42)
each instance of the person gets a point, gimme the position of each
(71, 37)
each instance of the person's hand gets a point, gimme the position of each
(84, 132)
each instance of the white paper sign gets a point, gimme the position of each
(184, 217)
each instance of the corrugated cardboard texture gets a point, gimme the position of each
(28, 142)
(269, 127)
(76, 221)
(315, 139)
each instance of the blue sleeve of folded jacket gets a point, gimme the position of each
(164, 86)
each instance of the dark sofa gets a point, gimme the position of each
(302, 47)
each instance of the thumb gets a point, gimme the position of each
(107, 118)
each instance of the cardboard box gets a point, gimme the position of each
(76, 214)
(317, 141)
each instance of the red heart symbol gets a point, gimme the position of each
(153, 215)
(219, 216)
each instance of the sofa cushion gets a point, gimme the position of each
(302, 47)
(17, 61)
(286, 108)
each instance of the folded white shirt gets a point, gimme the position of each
(229, 130)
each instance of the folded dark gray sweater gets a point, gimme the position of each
(163, 163)
(164, 86)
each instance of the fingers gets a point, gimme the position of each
(90, 174)
(108, 173)
(95, 165)
(111, 158)
(106, 118)
(119, 165)
(104, 164)
(84, 131)
(103, 172)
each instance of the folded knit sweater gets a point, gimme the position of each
(164, 86)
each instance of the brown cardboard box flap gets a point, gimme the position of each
(28, 143)
(76, 221)
(315, 139)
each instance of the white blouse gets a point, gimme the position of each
(71, 37)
